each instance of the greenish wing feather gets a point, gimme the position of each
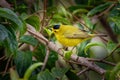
(76, 35)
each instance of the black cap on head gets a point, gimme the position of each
(56, 26)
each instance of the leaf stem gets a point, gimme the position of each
(30, 70)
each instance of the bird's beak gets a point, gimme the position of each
(52, 30)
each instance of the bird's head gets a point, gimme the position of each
(56, 28)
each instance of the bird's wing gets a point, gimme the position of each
(77, 35)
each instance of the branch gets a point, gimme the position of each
(2, 57)
(108, 29)
(81, 60)
(46, 59)
(4, 3)
(84, 70)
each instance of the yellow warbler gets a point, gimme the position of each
(69, 35)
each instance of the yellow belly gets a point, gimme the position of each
(68, 42)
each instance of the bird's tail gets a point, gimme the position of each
(100, 35)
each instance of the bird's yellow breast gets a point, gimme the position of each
(66, 41)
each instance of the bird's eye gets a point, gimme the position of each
(56, 26)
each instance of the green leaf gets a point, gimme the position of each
(73, 8)
(88, 22)
(99, 8)
(67, 54)
(24, 16)
(59, 72)
(59, 19)
(11, 43)
(81, 48)
(72, 76)
(118, 75)
(80, 26)
(52, 10)
(62, 11)
(23, 29)
(49, 32)
(115, 11)
(46, 75)
(119, 1)
(22, 61)
(30, 70)
(79, 11)
(113, 18)
(3, 33)
(5, 77)
(116, 26)
(53, 57)
(114, 72)
(90, 2)
(9, 14)
(110, 46)
(8, 39)
(107, 74)
(93, 44)
(29, 40)
(34, 20)
(40, 54)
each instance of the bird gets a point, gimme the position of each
(69, 35)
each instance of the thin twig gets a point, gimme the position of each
(103, 77)
(7, 65)
(2, 57)
(46, 59)
(106, 11)
(47, 23)
(44, 16)
(118, 46)
(73, 62)
(107, 27)
(30, 30)
(81, 22)
(20, 44)
(101, 60)
(84, 70)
